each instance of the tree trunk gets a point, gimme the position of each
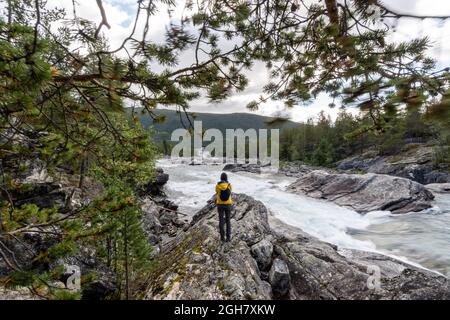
(83, 166)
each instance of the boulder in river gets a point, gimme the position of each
(366, 192)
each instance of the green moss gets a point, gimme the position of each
(221, 287)
(197, 249)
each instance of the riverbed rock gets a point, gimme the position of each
(161, 219)
(415, 162)
(246, 167)
(365, 192)
(197, 265)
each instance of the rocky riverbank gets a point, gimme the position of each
(293, 169)
(162, 221)
(365, 192)
(268, 260)
(417, 162)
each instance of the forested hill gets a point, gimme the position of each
(162, 130)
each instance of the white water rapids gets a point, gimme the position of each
(421, 238)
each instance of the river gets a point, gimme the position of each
(421, 238)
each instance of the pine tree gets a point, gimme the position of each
(323, 155)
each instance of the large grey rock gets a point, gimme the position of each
(262, 252)
(364, 193)
(297, 169)
(279, 278)
(196, 265)
(415, 163)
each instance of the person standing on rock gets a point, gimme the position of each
(224, 202)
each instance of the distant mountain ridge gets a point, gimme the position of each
(162, 131)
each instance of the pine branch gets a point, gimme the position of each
(104, 21)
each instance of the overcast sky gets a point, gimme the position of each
(121, 14)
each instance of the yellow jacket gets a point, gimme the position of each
(223, 186)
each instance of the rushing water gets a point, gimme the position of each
(421, 238)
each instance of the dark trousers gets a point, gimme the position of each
(224, 219)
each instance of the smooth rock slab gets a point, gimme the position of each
(366, 192)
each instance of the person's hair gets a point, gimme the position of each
(224, 177)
